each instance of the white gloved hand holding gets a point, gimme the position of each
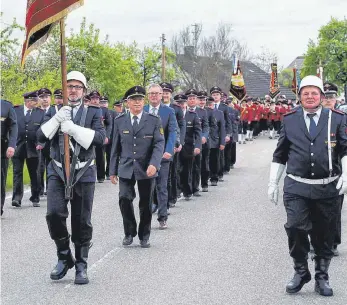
(50, 128)
(63, 114)
(342, 183)
(84, 136)
(276, 172)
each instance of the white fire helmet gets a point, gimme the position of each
(312, 80)
(76, 75)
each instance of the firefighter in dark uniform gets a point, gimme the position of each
(217, 141)
(118, 107)
(181, 131)
(216, 94)
(313, 144)
(205, 117)
(45, 97)
(58, 97)
(136, 154)
(191, 147)
(329, 101)
(193, 105)
(9, 132)
(107, 119)
(29, 120)
(95, 98)
(85, 130)
(235, 122)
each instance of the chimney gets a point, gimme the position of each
(189, 51)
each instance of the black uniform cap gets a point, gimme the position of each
(330, 88)
(215, 89)
(166, 86)
(210, 100)
(135, 91)
(30, 95)
(202, 94)
(94, 93)
(191, 92)
(104, 99)
(118, 103)
(180, 98)
(44, 91)
(58, 92)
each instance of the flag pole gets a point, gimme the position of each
(64, 88)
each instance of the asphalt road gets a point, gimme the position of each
(227, 247)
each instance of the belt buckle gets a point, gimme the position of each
(325, 179)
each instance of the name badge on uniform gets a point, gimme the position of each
(125, 131)
(37, 124)
(147, 137)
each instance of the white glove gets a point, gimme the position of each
(276, 172)
(50, 128)
(63, 114)
(84, 136)
(342, 183)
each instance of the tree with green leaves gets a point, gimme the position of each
(330, 50)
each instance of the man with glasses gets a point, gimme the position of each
(29, 120)
(136, 154)
(313, 145)
(169, 125)
(85, 130)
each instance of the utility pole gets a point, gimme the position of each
(162, 38)
(195, 33)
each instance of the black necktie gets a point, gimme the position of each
(313, 126)
(191, 109)
(27, 116)
(135, 124)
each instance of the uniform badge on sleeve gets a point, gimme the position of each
(161, 130)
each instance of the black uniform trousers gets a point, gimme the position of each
(214, 164)
(32, 165)
(81, 210)
(233, 153)
(263, 124)
(221, 164)
(161, 187)
(4, 167)
(126, 196)
(337, 239)
(205, 166)
(100, 162)
(314, 217)
(196, 174)
(173, 180)
(108, 157)
(256, 130)
(186, 174)
(227, 157)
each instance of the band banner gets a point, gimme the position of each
(237, 86)
(41, 16)
(274, 86)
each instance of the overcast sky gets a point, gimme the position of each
(284, 27)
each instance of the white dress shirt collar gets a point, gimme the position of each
(138, 117)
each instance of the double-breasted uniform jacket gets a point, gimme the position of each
(133, 151)
(217, 130)
(9, 128)
(169, 125)
(93, 121)
(307, 157)
(224, 108)
(193, 134)
(181, 122)
(27, 140)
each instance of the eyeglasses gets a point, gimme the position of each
(155, 93)
(70, 87)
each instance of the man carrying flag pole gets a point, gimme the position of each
(73, 129)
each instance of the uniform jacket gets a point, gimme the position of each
(169, 125)
(113, 115)
(27, 140)
(217, 129)
(132, 153)
(106, 120)
(307, 157)
(9, 128)
(193, 134)
(224, 108)
(235, 121)
(93, 121)
(205, 129)
(181, 124)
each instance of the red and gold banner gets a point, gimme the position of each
(41, 15)
(237, 86)
(274, 86)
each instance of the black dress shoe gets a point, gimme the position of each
(197, 194)
(127, 240)
(145, 243)
(107, 178)
(220, 179)
(214, 183)
(232, 166)
(101, 180)
(172, 204)
(204, 189)
(188, 197)
(16, 203)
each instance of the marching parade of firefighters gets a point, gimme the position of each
(172, 146)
